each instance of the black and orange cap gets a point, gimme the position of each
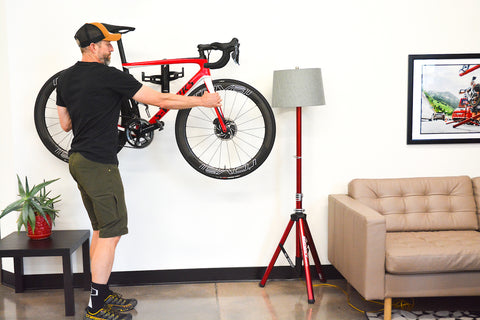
(93, 33)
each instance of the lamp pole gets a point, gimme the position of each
(299, 159)
(299, 196)
(298, 88)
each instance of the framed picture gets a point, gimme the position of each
(443, 98)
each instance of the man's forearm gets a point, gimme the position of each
(64, 117)
(150, 96)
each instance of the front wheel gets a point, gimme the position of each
(246, 144)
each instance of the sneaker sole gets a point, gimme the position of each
(121, 308)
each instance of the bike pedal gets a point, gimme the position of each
(160, 124)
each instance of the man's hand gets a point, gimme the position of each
(211, 100)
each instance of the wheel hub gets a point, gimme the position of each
(231, 129)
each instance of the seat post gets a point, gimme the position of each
(121, 50)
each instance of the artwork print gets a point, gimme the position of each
(444, 99)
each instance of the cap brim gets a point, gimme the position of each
(113, 37)
(108, 36)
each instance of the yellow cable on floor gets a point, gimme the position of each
(396, 304)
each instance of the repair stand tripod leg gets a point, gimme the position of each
(306, 263)
(298, 249)
(313, 250)
(277, 252)
(303, 240)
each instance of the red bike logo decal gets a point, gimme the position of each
(187, 87)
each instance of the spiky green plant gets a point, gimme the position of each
(33, 201)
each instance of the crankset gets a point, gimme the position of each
(139, 133)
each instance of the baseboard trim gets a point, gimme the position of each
(150, 277)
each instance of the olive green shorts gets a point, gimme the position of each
(102, 193)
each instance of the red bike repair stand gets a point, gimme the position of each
(304, 238)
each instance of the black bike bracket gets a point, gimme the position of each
(164, 78)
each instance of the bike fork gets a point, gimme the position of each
(218, 111)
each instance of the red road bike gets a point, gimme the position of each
(223, 143)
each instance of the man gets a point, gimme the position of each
(89, 96)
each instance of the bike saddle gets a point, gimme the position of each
(118, 29)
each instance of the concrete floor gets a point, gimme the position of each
(218, 301)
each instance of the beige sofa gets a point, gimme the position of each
(408, 237)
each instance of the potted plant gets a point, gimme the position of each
(36, 207)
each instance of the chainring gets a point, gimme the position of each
(135, 136)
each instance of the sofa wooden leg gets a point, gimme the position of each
(387, 311)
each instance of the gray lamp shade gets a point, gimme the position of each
(297, 88)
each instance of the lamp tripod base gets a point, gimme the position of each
(304, 241)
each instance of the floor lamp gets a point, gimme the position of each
(298, 88)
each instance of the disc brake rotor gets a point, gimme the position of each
(231, 129)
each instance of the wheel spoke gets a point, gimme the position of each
(52, 125)
(217, 154)
(241, 108)
(65, 137)
(207, 137)
(228, 156)
(202, 119)
(236, 150)
(199, 136)
(206, 116)
(201, 128)
(233, 104)
(253, 135)
(250, 120)
(207, 149)
(246, 112)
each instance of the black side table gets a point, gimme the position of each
(61, 243)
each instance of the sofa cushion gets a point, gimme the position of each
(432, 252)
(420, 204)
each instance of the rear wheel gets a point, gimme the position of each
(246, 144)
(48, 127)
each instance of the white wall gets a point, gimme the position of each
(180, 219)
(7, 186)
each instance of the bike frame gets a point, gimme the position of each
(203, 75)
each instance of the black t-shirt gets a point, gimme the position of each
(92, 94)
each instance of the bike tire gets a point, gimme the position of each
(252, 121)
(48, 127)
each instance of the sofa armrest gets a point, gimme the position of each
(356, 244)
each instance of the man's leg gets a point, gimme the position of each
(102, 258)
(93, 244)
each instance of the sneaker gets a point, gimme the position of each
(106, 313)
(118, 303)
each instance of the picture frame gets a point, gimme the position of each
(443, 98)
